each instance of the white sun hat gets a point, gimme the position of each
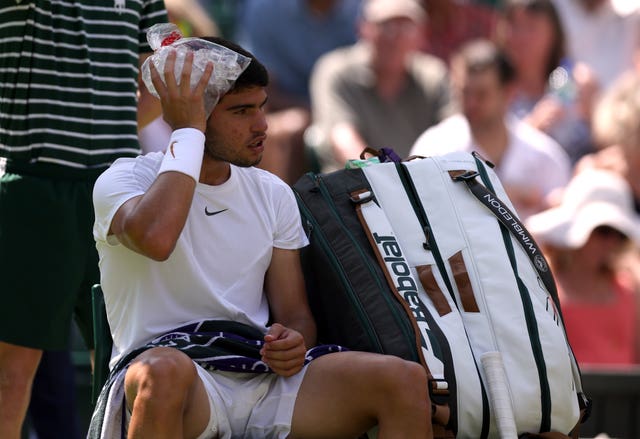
(592, 198)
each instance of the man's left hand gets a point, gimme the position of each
(284, 350)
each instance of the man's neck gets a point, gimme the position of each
(214, 172)
(390, 86)
(492, 138)
(390, 79)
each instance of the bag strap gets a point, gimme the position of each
(383, 240)
(390, 257)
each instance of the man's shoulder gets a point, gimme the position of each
(150, 160)
(260, 177)
(429, 67)
(452, 134)
(531, 137)
(526, 137)
(142, 167)
(341, 61)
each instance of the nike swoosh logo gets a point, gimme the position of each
(206, 211)
(171, 149)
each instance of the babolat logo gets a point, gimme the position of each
(519, 231)
(403, 281)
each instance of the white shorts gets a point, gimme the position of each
(249, 405)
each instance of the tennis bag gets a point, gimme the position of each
(426, 260)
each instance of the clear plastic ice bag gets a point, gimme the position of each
(227, 64)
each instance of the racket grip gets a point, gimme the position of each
(499, 398)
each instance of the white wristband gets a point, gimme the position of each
(185, 153)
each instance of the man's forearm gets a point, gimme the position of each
(306, 326)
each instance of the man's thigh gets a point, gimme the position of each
(340, 395)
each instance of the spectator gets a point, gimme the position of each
(191, 17)
(379, 92)
(453, 22)
(584, 238)
(158, 273)
(553, 94)
(603, 34)
(530, 164)
(226, 14)
(616, 126)
(68, 81)
(289, 36)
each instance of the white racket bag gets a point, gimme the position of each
(478, 292)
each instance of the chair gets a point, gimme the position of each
(102, 342)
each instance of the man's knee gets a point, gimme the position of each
(163, 373)
(402, 385)
(402, 375)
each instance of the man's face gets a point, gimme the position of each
(393, 39)
(482, 98)
(530, 38)
(237, 127)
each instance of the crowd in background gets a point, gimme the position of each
(547, 90)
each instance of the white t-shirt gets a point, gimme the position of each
(532, 159)
(218, 266)
(154, 136)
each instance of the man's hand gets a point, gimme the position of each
(284, 350)
(182, 107)
(545, 114)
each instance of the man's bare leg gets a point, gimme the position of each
(18, 365)
(166, 397)
(347, 393)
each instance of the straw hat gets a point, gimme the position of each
(592, 198)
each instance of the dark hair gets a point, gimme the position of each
(545, 8)
(255, 75)
(480, 55)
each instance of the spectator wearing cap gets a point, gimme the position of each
(289, 36)
(381, 91)
(586, 239)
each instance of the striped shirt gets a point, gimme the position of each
(68, 81)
